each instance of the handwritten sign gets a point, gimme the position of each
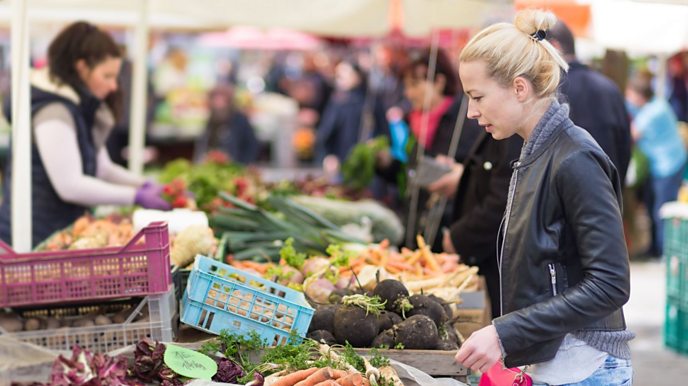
(189, 363)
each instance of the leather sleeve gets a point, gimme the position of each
(591, 208)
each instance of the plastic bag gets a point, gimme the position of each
(24, 362)
(411, 376)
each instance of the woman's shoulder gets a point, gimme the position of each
(53, 111)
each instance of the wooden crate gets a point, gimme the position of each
(436, 363)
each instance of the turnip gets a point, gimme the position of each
(318, 290)
(314, 265)
(444, 303)
(417, 332)
(448, 339)
(354, 325)
(424, 305)
(322, 336)
(323, 318)
(385, 339)
(391, 292)
(387, 320)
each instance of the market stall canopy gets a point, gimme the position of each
(252, 38)
(322, 17)
(641, 27)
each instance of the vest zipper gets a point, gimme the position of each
(553, 277)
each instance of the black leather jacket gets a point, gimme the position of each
(564, 259)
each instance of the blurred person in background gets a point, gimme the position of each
(655, 130)
(445, 96)
(227, 129)
(74, 104)
(595, 102)
(349, 117)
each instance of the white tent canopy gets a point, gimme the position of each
(641, 27)
(324, 17)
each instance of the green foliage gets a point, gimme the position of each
(349, 356)
(377, 359)
(290, 256)
(359, 168)
(205, 180)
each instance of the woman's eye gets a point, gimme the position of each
(477, 99)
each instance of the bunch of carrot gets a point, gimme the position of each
(421, 263)
(322, 377)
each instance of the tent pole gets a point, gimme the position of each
(21, 132)
(137, 120)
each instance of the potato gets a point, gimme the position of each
(102, 320)
(11, 322)
(32, 324)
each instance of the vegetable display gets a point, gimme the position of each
(359, 168)
(255, 233)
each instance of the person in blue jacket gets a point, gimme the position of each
(655, 129)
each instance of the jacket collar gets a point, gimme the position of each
(545, 132)
(41, 79)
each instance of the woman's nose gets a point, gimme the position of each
(473, 112)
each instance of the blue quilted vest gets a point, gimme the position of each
(49, 212)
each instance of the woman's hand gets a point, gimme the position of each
(447, 244)
(481, 350)
(448, 183)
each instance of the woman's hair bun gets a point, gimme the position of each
(530, 21)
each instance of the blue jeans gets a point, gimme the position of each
(613, 372)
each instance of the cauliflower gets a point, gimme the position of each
(191, 241)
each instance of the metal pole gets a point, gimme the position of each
(137, 120)
(21, 130)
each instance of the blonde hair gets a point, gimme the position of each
(512, 50)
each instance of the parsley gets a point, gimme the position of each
(377, 360)
(355, 360)
(290, 256)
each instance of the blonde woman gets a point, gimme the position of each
(563, 263)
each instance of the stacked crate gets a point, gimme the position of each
(675, 217)
(132, 280)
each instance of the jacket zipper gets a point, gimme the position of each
(553, 278)
(500, 254)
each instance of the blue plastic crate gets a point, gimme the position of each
(220, 297)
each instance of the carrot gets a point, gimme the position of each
(329, 382)
(336, 374)
(293, 378)
(355, 379)
(319, 376)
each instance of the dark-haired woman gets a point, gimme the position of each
(439, 117)
(73, 106)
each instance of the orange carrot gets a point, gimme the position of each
(336, 374)
(293, 378)
(319, 376)
(355, 379)
(329, 382)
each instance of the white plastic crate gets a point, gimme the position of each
(159, 325)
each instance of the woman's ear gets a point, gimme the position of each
(522, 88)
(81, 67)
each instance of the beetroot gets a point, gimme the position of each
(424, 305)
(352, 324)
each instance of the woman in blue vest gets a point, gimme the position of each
(73, 107)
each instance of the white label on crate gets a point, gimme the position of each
(189, 363)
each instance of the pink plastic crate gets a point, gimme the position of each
(141, 267)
